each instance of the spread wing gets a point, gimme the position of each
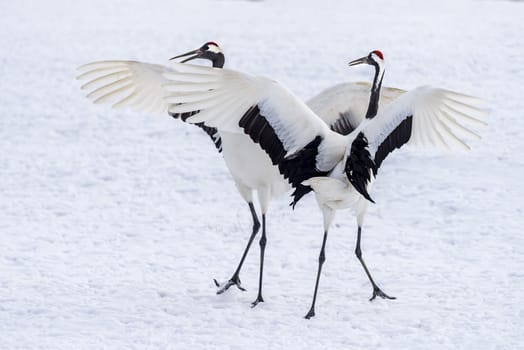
(137, 85)
(296, 140)
(424, 116)
(344, 106)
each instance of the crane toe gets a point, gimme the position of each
(311, 313)
(258, 300)
(222, 287)
(377, 292)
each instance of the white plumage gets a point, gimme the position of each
(142, 87)
(290, 132)
(439, 115)
(348, 100)
(135, 84)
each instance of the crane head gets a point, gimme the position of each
(374, 58)
(209, 51)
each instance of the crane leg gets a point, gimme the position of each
(262, 243)
(377, 292)
(321, 260)
(328, 215)
(235, 279)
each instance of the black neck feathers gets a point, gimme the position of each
(375, 92)
(218, 60)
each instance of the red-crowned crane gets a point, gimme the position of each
(339, 168)
(141, 86)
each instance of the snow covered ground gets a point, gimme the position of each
(114, 224)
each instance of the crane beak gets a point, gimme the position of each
(197, 53)
(361, 60)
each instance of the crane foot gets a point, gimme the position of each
(311, 313)
(235, 280)
(377, 292)
(258, 300)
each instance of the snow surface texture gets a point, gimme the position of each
(114, 224)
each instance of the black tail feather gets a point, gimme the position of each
(360, 165)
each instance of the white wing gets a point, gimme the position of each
(228, 100)
(295, 139)
(425, 116)
(137, 85)
(344, 106)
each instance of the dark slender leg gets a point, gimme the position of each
(321, 259)
(376, 290)
(235, 279)
(262, 243)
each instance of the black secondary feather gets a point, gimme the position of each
(396, 139)
(343, 125)
(295, 168)
(212, 132)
